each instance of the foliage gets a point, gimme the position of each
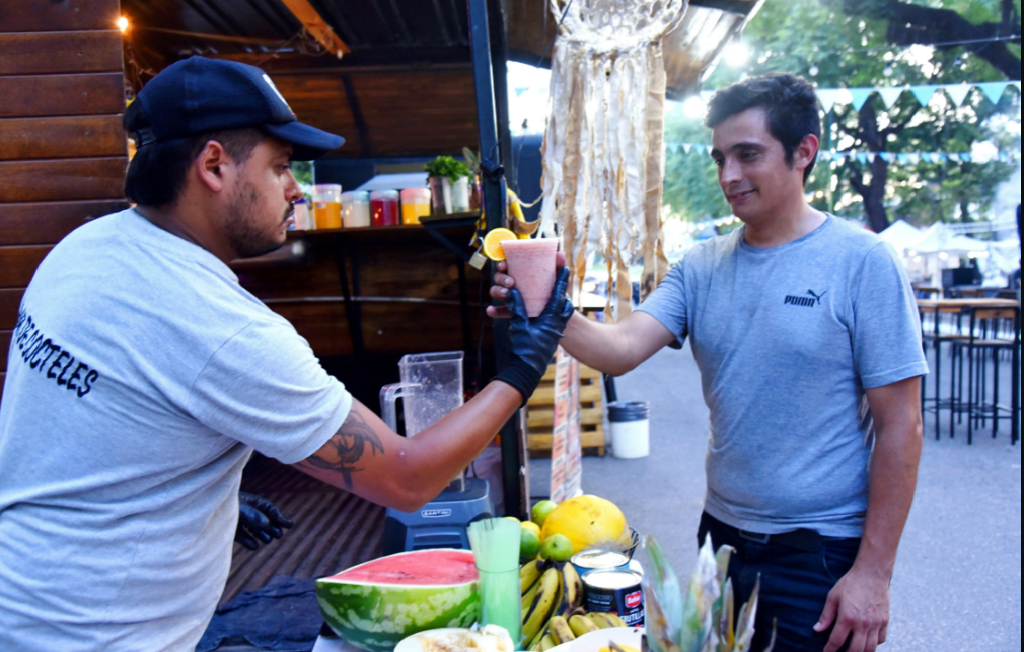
(303, 172)
(815, 36)
(446, 166)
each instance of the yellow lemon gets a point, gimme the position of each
(492, 243)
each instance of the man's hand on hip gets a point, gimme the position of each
(859, 606)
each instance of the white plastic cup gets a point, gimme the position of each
(630, 429)
(355, 208)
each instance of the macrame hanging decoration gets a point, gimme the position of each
(603, 155)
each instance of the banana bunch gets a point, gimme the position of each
(552, 597)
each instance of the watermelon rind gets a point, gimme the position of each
(375, 617)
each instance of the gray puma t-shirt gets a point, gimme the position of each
(787, 339)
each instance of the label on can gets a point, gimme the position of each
(615, 591)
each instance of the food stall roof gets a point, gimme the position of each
(403, 85)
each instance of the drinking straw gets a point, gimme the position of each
(495, 545)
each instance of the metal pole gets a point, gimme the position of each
(493, 187)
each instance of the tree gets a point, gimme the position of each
(909, 24)
(836, 49)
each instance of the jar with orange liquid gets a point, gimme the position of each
(327, 205)
(415, 204)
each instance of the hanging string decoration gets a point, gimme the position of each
(603, 153)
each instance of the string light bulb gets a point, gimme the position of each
(888, 70)
(122, 24)
(813, 71)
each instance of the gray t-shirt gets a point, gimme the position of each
(787, 339)
(140, 377)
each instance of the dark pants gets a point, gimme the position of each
(794, 583)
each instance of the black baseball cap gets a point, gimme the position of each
(198, 95)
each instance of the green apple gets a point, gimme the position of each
(556, 547)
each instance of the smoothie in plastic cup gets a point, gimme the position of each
(532, 264)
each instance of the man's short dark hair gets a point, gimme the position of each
(789, 102)
(157, 172)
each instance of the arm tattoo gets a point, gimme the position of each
(346, 448)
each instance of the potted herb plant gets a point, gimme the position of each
(449, 185)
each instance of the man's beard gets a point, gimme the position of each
(243, 234)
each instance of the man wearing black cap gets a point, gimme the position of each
(142, 375)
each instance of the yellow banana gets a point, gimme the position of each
(580, 624)
(606, 620)
(560, 630)
(528, 597)
(573, 589)
(529, 573)
(544, 603)
(546, 642)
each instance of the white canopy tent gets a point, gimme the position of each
(901, 235)
(938, 238)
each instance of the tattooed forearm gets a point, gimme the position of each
(346, 448)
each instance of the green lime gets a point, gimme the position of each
(529, 544)
(541, 510)
(530, 525)
(514, 520)
(556, 547)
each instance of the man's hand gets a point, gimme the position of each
(534, 341)
(859, 605)
(259, 520)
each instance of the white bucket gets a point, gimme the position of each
(630, 429)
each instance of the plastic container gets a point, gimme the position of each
(327, 205)
(355, 208)
(531, 263)
(415, 204)
(384, 207)
(302, 221)
(630, 429)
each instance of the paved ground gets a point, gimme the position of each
(957, 585)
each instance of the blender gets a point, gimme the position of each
(430, 386)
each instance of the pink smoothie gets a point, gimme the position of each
(532, 264)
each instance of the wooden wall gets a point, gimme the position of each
(62, 150)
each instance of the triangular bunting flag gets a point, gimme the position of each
(957, 92)
(520, 90)
(686, 147)
(862, 157)
(965, 157)
(886, 156)
(890, 95)
(1017, 84)
(926, 157)
(924, 93)
(943, 157)
(993, 90)
(914, 158)
(827, 97)
(859, 96)
(954, 157)
(824, 155)
(871, 156)
(902, 158)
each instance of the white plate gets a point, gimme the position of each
(594, 641)
(412, 643)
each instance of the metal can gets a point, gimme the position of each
(598, 559)
(617, 591)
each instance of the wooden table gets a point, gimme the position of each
(955, 306)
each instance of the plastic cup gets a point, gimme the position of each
(327, 205)
(532, 264)
(415, 204)
(355, 207)
(384, 207)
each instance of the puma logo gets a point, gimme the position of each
(807, 302)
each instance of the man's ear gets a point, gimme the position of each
(805, 151)
(210, 165)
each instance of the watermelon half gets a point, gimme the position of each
(377, 604)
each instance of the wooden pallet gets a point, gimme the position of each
(540, 413)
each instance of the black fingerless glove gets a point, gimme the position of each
(259, 520)
(535, 340)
